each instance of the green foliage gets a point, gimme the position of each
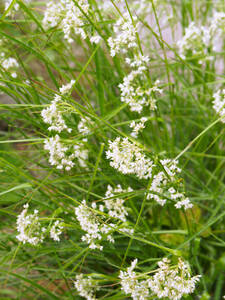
(184, 126)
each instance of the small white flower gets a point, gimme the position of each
(96, 225)
(67, 88)
(90, 224)
(197, 39)
(128, 158)
(125, 35)
(69, 18)
(14, 75)
(172, 282)
(9, 64)
(84, 125)
(56, 231)
(81, 154)
(218, 22)
(52, 14)
(29, 227)
(184, 203)
(136, 90)
(53, 115)
(86, 287)
(192, 40)
(161, 185)
(137, 127)
(95, 39)
(115, 207)
(131, 285)
(63, 156)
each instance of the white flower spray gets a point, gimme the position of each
(53, 115)
(197, 39)
(86, 287)
(96, 225)
(128, 158)
(131, 285)
(71, 18)
(30, 230)
(29, 227)
(125, 31)
(115, 205)
(173, 282)
(162, 184)
(67, 16)
(137, 126)
(136, 89)
(169, 281)
(56, 230)
(62, 155)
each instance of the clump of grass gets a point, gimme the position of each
(112, 149)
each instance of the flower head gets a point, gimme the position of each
(29, 227)
(86, 287)
(128, 158)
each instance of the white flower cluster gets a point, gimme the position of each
(131, 285)
(81, 153)
(65, 89)
(95, 39)
(162, 182)
(197, 39)
(69, 17)
(62, 156)
(137, 127)
(53, 14)
(90, 223)
(219, 103)
(30, 229)
(136, 90)
(125, 30)
(127, 158)
(84, 125)
(172, 282)
(95, 224)
(53, 115)
(85, 286)
(115, 205)
(56, 230)
(9, 64)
